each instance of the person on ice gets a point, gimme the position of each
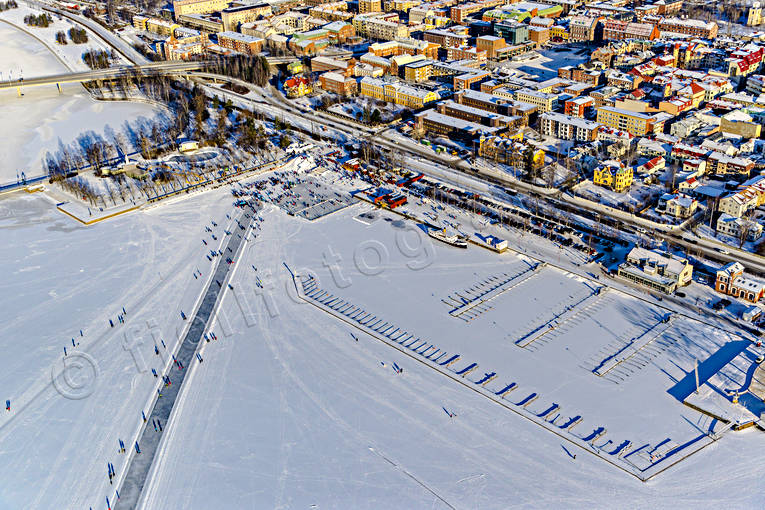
(7, 405)
(199, 358)
(122, 446)
(156, 350)
(143, 416)
(137, 448)
(154, 372)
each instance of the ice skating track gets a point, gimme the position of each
(140, 464)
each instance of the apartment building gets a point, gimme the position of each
(232, 17)
(723, 164)
(460, 111)
(567, 127)
(160, 26)
(366, 6)
(692, 27)
(578, 106)
(539, 36)
(379, 27)
(739, 203)
(617, 30)
(338, 83)
(446, 38)
(459, 12)
(466, 53)
(242, 43)
(407, 47)
(418, 70)
(736, 227)
(443, 125)
(545, 102)
(396, 92)
(635, 123)
(491, 44)
(204, 23)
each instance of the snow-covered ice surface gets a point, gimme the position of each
(43, 118)
(60, 278)
(289, 411)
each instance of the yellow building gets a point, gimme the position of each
(614, 175)
(232, 17)
(370, 6)
(161, 27)
(375, 27)
(139, 22)
(557, 31)
(754, 15)
(544, 101)
(298, 87)
(395, 92)
(635, 123)
(198, 6)
(404, 5)
(418, 71)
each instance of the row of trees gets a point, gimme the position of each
(10, 4)
(78, 35)
(252, 69)
(41, 20)
(98, 59)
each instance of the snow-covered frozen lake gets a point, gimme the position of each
(288, 410)
(41, 120)
(289, 406)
